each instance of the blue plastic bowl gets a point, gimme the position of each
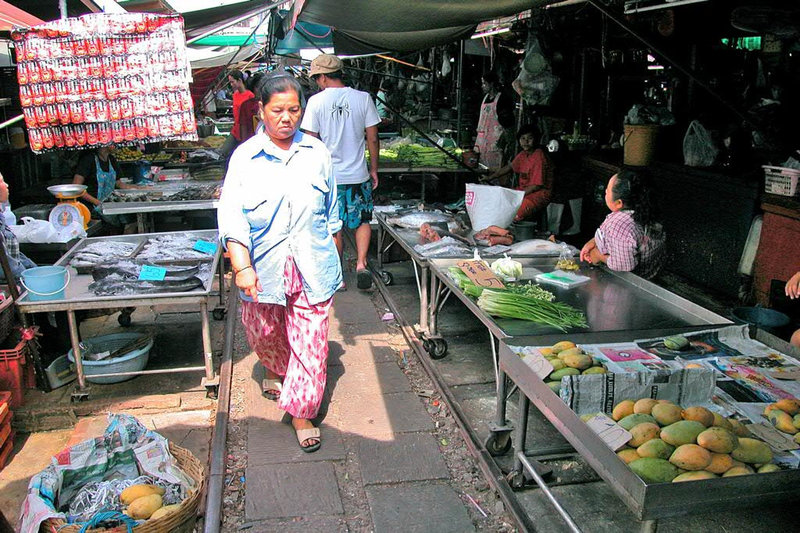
(130, 362)
(766, 319)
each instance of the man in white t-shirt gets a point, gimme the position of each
(346, 120)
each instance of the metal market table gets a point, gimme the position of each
(77, 296)
(425, 174)
(144, 210)
(648, 502)
(612, 301)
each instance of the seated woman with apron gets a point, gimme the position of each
(98, 170)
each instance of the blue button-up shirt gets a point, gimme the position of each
(282, 203)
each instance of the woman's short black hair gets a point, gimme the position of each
(632, 187)
(276, 83)
(236, 74)
(529, 129)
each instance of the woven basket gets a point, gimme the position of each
(172, 522)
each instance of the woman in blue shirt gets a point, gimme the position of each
(277, 215)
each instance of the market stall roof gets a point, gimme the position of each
(361, 26)
(11, 16)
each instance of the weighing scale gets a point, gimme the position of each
(69, 208)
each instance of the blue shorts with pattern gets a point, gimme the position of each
(355, 203)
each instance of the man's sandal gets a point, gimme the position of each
(271, 388)
(310, 434)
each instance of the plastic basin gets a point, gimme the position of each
(766, 319)
(129, 362)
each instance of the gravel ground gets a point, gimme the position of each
(483, 505)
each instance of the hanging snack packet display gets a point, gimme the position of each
(119, 78)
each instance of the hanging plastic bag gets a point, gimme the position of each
(488, 205)
(35, 230)
(698, 146)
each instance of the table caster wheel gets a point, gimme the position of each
(124, 319)
(498, 444)
(212, 392)
(218, 314)
(439, 348)
(386, 278)
(516, 480)
(427, 345)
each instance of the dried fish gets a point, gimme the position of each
(131, 270)
(115, 285)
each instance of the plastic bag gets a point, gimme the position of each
(35, 230)
(536, 82)
(73, 231)
(698, 146)
(488, 205)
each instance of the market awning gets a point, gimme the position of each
(363, 26)
(11, 16)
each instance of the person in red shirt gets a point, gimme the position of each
(240, 95)
(534, 174)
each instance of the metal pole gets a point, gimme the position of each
(233, 22)
(459, 91)
(62, 8)
(679, 66)
(11, 121)
(547, 492)
(433, 90)
(216, 478)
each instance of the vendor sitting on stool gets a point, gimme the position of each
(98, 169)
(793, 292)
(535, 174)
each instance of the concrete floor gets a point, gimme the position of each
(468, 371)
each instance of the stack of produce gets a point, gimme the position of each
(785, 416)
(672, 444)
(416, 155)
(523, 301)
(568, 360)
(146, 502)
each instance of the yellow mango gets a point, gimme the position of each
(628, 455)
(557, 364)
(563, 345)
(570, 351)
(788, 405)
(698, 414)
(769, 408)
(796, 421)
(694, 476)
(644, 406)
(580, 361)
(782, 421)
(722, 422)
(738, 471)
(718, 440)
(682, 432)
(752, 451)
(690, 457)
(134, 492)
(622, 409)
(720, 463)
(164, 511)
(642, 433)
(546, 352)
(594, 370)
(666, 413)
(655, 448)
(769, 467)
(142, 508)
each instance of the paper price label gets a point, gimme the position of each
(540, 366)
(480, 274)
(205, 247)
(152, 273)
(614, 435)
(776, 439)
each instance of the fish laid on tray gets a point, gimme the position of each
(415, 219)
(131, 270)
(115, 285)
(172, 248)
(100, 252)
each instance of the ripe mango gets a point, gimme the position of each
(644, 406)
(558, 374)
(580, 361)
(666, 413)
(594, 370)
(641, 433)
(694, 476)
(164, 511)
(698, 414)
(788, 405)
(718, 440)
(134, 492)
(622, 409)
(546, 352)
(654, 470)
(720, 463)
(563, 345)
(142, 508)
(782, 421)
(738, 471)
(655, 448)
(628, 455)
(722, 422)
(752, 451)
(570, 351)
(557, 364)
(682, 432)
(739, 429)
(769, 408)
(769, 467)
(635, 419)
(690, 457)
(555, 386)
(796, 421)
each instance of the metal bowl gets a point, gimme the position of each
(68, 190)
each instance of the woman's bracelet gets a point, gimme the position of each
(236, 272)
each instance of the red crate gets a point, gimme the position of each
(5, 432)
(13, 373)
